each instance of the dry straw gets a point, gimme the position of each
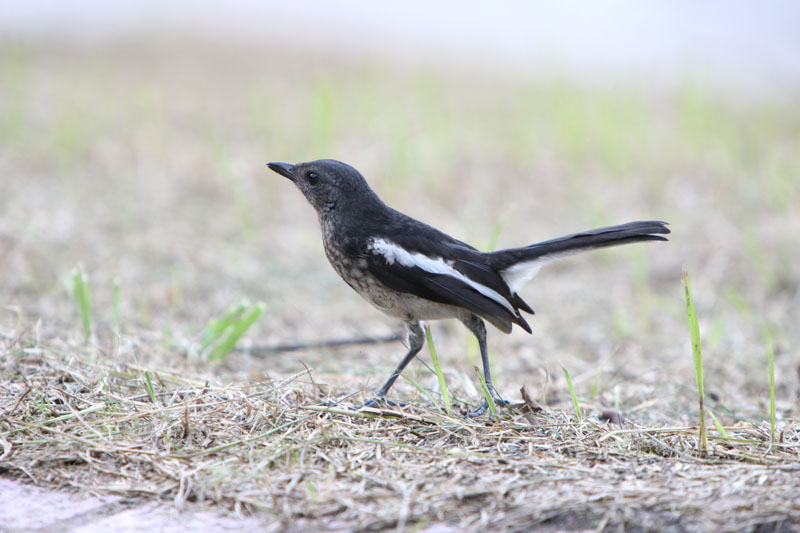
(291, 454)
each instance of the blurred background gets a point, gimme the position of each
(133, 139)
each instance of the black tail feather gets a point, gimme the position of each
(650, 230)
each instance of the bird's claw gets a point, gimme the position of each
(485, 406)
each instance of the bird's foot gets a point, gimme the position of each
(377, 402)
(499, 402)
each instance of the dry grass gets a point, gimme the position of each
(286, 452)
(114, 164)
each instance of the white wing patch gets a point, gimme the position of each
(393, 252)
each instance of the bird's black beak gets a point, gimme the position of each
(284, 169)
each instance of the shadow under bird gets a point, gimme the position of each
(415, 272)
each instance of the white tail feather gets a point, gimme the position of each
(521, 273)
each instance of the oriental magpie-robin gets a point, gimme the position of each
(415, 272)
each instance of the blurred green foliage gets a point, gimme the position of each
(110, 127)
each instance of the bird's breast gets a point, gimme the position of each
(344, 256)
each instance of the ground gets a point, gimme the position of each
(144, 169)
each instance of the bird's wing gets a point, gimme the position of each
(443, 272)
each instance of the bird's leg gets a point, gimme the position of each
(416, 338)
(477, 327)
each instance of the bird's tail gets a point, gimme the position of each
(518, 265)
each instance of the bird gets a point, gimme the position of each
(415, 272)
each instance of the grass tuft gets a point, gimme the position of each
(80, 291)
(573, 395)
(720, 428)
(221, 335)
(486, 393)
(438, 369)
(423, 391)
(771, 358)
(148, 386)
(115, 314)
(697, 355)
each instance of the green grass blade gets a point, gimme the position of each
(771, 356)
(438, 370)
(115, 315)
(595, 387)
(424, 392)
(572, 394)
(235, 331)
(215, 329)
(148, 386)
(80, 291)
(494, 236)
(697, 355)
(486, 393)
(720, 429)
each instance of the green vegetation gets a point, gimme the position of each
(771, 396)
(115, 312)
(437, 367)
(80, 292)
(221, 335)
(487, 394)
(697, 357)
(573, 395)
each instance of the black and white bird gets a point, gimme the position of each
(415, 272)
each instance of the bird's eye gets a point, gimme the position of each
(312, 178)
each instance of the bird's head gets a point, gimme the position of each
(327, 184)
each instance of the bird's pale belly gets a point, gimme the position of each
(397, 304)
(406, 306)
